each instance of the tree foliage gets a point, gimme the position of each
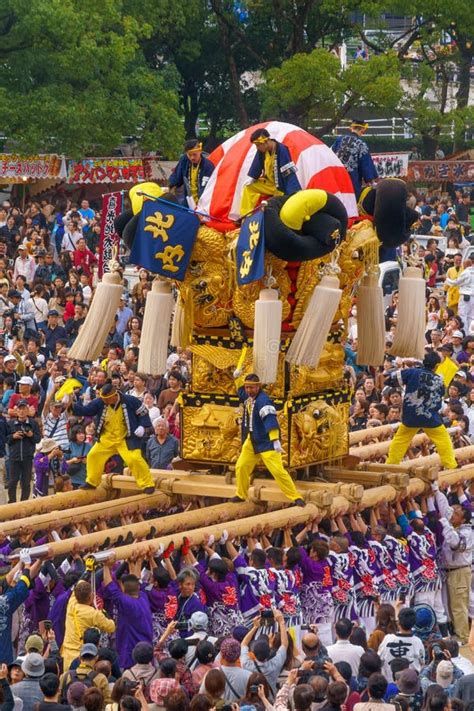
(73, 79)
(80, 76)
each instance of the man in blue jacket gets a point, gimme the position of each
(272, 172)
(192, 172)
(423, 400)
(354, 154)
(261, 441)
(121, 422)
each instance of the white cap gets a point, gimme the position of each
(25, 380)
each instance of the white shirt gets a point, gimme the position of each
(41, 308)
(344, 651)
(463, 664)
(24, 267)
(465, 282)
(401, 645)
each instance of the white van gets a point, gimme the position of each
(390, 273)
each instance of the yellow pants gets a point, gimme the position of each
(252, 192)
(438, 435)
(100, 453)
(459, 588)
(247, 462)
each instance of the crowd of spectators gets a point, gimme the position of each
(359, 612)
(443, 236)
(48, 260)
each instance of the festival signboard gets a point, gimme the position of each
(91, 171)
(391, 165)
(112, 206)
(440, 171)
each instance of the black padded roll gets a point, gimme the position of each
(390, 213)
(292, 246)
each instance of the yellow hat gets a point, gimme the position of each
(136, 198)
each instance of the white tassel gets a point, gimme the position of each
(370, 321)
(310, 338)
(266, 336)
(409, 340)
(183, 322)
(153, 351)
(99, 320)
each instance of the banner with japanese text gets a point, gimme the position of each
(91, 171)
(165, 238)
(391, 165)
(112, 206)
(16, 168)
(439, 171)
(250, 251)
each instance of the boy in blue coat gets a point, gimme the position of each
(261, 441)
(122, 421)
(272, 172)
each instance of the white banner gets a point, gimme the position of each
(391, 165)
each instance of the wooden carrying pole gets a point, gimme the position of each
(56, 502)
(372, 433)
(164, 525)
(275, 519)
(461, 454)
(57, 519)
(379, 449)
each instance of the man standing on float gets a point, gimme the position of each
(192, 172)
(261, 441)
(122, 421)
(272, 172)
(354, 154)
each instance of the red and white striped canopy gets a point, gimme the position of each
(317, 167)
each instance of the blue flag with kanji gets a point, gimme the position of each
(250, 251)
(164, 238)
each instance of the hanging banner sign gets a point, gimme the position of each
(112, 206)
(92, 171)
(440, 171)
(19, 169)
(391, 165)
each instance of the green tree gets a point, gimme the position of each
(313, 88)
(73, 79)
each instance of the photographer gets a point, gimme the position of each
(262, 662)
(23, 436)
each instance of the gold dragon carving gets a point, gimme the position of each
(319, 432)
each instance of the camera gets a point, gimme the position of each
(181, 626)
(267, 618)
(437, 652)
(253, 688)
(47, 625)
(226, 707)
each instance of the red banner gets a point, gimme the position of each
(112, 206)
(440, 171)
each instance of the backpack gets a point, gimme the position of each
(146, 681)
(73, 676)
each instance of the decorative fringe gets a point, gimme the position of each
(156, 329)
(99, 320)
(311, 336)
(409, 340)
(370, 321)
(183, 321)
(266, 338)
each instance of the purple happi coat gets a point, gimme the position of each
(256, 591)
(316, 589)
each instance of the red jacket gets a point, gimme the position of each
(84, 260)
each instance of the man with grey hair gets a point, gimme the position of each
(162, 448)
